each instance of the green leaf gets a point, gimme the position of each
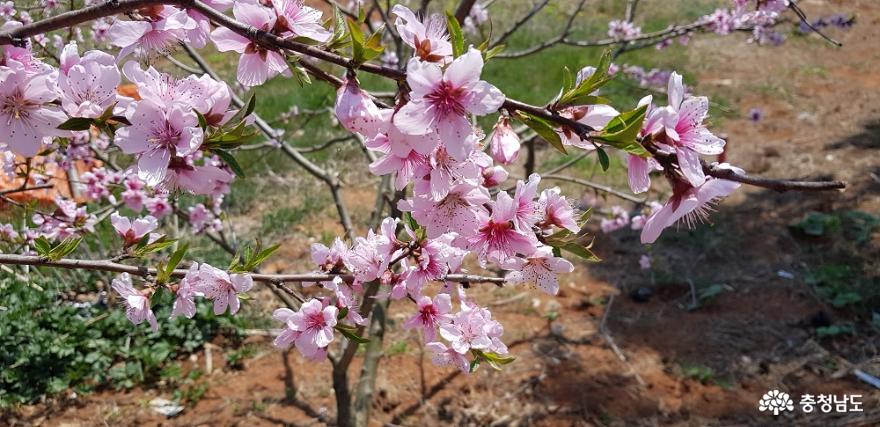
(456, 37)
(76, 124)
(175, 258)
(143, 246)
(108, 113)
(342, 313)
(491, 53)
(351, 333)
(247, 110)
(64, 248)
(357, 40)
(603, 159)
(496, 361)
(302, 76)
(373, 45)
(339, 38)
(542, 128)
(621, 132)
(579, 95)
(590, 100)
(229, 159)
(261, 256)
(580, 251)
(203, 122)
(410, 221)
(42, 246)
(567, 79)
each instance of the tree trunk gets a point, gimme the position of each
(367, 382)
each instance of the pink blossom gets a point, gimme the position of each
(686, 133)
(428, 39)
(446, 356)
(27, 116)
(7, 9)
(528, 212)
(430, 314)
(404, 165)
(619, 219)
(694, 204)
(133, 231)
(288, 336)
(638, 170)
(310, 328)
(100, 31)
(594, 116)
(345, 298)
(446, 171)
(158, 206)
(622, 30)
(134, 194)
(330, 259)
(430, 262)
(442, 100)
(257, 64)
(200, 217)
(366, 261)
(162, 27)
(722, 21)
(356, 111)
(294, 19)
(223, 287)
(494, 176)
(7, 231)
(157, 134)
(88, 84)
(138, 304)
(206, 179)
(460, 211)
(497, 237)
(504, 145)
(473, 328)
(184, 305)
(540, 268)
(202, 93)
(557, 211)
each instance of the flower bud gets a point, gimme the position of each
(504, 145)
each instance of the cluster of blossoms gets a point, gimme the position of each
(623, 30)
(66, 220)
(203, 280)
(478, 16)
(400, 266)
(283, 18)
(165, 135)
(677, 130)
(654, 78)
(428, 142)
(836, 20)
(758, 15)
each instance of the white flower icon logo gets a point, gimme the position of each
(776, 401)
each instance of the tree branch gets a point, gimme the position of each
(141, 271)
(463, 10)
(780, 185)
(593, 185)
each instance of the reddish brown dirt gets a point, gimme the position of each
(822, 119)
